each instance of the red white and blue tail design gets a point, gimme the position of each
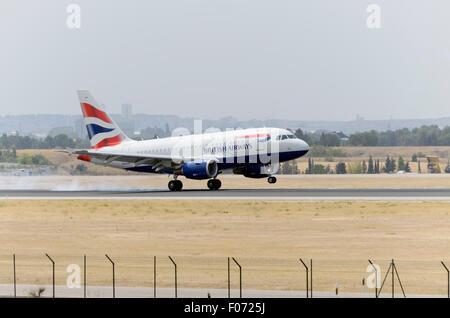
(102, 130)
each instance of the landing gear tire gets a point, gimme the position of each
(272, 179)
(175, 185)
(214, 184)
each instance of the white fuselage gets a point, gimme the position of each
(229, 148)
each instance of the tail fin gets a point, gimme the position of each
(102, 130)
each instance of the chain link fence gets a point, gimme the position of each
(208, 276)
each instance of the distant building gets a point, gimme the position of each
(126, 121)
(80, 128)
(127, 111)
(340, 134)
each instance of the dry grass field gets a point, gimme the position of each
(266, 237)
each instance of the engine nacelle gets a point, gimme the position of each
(200, 169)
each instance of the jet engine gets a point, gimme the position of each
(199, 170)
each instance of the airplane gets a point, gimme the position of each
(253, 153)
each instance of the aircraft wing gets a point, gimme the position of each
(159, 162)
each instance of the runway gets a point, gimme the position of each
(442, 194)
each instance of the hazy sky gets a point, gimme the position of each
(311, 60)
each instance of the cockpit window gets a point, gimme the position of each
(284, 137)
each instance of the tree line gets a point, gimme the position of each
(371, 166)
(422, 136)
(49, 142)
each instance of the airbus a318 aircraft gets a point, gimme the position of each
(253, 153)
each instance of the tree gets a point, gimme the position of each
(414, 157)
(370, 168)
(340, 168)
(329, 140)
(422, 136)
(309, 170)
(364, 167)
(368, 138)
(319, 169)
(393, 165)
(304, 136)
(447, 167)
(401, 164)
(407, 167)
(295, 167)
(418, 166)
(377, 166)
(389, 165)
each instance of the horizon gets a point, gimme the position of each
(234, 117)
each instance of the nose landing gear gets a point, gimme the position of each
(214, 184)
(271, 179)
(175, 185)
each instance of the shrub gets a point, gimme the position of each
(340, 168)
(354, 167)
(319, 169)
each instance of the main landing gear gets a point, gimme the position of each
(271, 179)
(175, 185)
(214, 184)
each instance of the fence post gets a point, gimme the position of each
(240, 277)
(114, 276)
(394, 268)
(376, 278)
(84, 275)
(392, 264)
(53, 270)
(307, 278)
(154, 276)
(14, 268)
(311, 276)
(176, 286)
(229, 292)
(448, 279)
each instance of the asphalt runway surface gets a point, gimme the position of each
(262, 194)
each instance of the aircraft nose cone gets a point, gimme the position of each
(303, 146)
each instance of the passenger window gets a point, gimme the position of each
(284, 137)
